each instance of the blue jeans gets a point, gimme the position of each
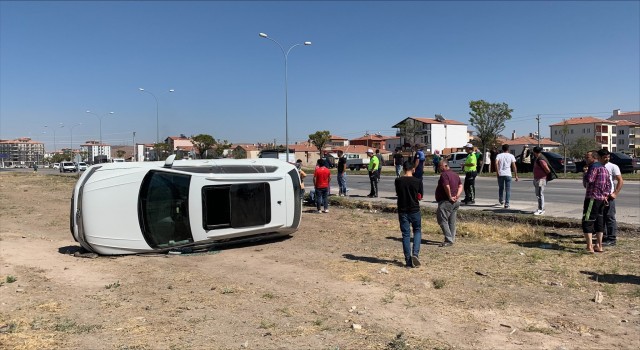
(321, 198)
(610, 223)
(342, 183)
(398, 170)
(504, 183)
(408, 220)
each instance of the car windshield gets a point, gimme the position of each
(163, 209)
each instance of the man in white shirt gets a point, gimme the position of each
(505, 162)
(611, 225)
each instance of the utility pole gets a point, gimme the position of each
(538, 119)
(134, 147)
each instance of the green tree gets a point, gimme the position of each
(488, 119)
(162, 150)
(239, 153)
(580, 146)
(218, 150)
(410, 130)
(203, 142)
(120, 153)
(320, 138)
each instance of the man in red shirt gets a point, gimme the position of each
(321, 179)
(448, 194)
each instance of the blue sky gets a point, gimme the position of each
(372, 63)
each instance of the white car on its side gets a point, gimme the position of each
(138, 207)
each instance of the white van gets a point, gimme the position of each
(456, 161)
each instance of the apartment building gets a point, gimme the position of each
(436, 134)
(630, 116)
(628, 134)
(601, 130)
(21, 152)
(95, 151)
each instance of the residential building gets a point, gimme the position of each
(337, 141)
(375, 141)
(95, 151)
(628, 134)
(392, 143)
(21, 152)
(436, 134)
(630, 116)
(516, 144)
(179, 143)
(601, 130)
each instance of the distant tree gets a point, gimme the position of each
(162, 150)
(410, 130)
(218, 150)
(580, 146)
(120, 153)
(239, 153)
(488, 119)
(320, 138)
(203, 142)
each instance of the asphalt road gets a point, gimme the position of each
(563, 198)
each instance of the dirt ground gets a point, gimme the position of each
(338, 283)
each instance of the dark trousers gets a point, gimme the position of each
(373, 179)
(470, 186)
(610, 223)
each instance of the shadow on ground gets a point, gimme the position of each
(372, 260)
(547, 246)
(612, 278)
(424, 241)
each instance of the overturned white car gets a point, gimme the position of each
(141, 207)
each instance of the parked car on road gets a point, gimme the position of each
(623, 161)
(68, 167)
(184, 204)
(56, 165)
(636, 164)
(557, 162)
(82, 166)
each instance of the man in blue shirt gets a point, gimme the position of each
(418, 162)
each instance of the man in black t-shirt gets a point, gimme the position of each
(398, 161)
(409, 191)
(342, 176)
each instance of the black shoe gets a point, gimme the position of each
(609, 243)
(471, 202)
(414, 261)
(446, 244)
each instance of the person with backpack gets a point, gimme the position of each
(540, 171)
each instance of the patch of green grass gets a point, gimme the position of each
(365, 278)
(228, 290)
(534, 329)
(11, 279)
(398, 343)
(285, 311)
(268, 295)
(388, 298)
(113, 285)
(264, 324)
(64, 325)
(439, 283)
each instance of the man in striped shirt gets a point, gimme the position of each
(598, 184)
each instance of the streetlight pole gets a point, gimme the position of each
(100, 122)
(157, 112)
(60, 125)
(134, 147)
(286, 92)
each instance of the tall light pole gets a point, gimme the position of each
(134, 147)
(157, 112)
(100, 120)
(71, 143)
(53, 128)
(286, 93)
